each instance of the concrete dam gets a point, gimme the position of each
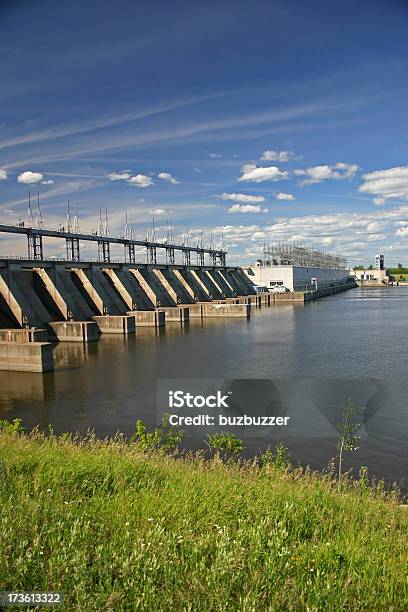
(69, 300)
(49, 301)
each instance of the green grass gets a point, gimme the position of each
(118, 529)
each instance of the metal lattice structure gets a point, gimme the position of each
(287, 254)
(35, 231)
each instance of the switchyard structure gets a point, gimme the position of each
(286, 254)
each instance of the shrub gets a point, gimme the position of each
(225, 443)
(165, 438)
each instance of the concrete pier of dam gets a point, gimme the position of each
(148, 318)
(26, 356)
(177, 314)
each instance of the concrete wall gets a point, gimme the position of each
(179, 314)
(74, 331)
(116, 324)
(155, 289)
(23, 335)
(198, 290)
(167, 286)
(17, 290)
(207, 284)
(235, 282)
(103, 295)
(26, 357)
(149, 318)
(212, 309)
(217, 289)
(184, 296)
(130, 289)
(221, 283)
(61, 288)
(240, 275)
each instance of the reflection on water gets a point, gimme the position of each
(358, 336)
(70, 354)
(21, 386)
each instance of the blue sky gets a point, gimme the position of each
(261, 120)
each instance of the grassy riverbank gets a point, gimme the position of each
(118, 529)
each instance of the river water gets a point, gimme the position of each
(308, 358)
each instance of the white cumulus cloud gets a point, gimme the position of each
(3, 175)
(243, 198)
(49, 182)
(246, 208)
(284, 196)
(280, 156)
(166, 176)
(402, 232)
(118, 176)
(259, 174)
(386, 184)
(30, 178)
(141, 180)
(317, 174)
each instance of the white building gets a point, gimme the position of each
(295, 278)
(370, 274)
(379, 262)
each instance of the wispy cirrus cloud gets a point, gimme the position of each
(100, 138)
(56, 191)
(65, 130)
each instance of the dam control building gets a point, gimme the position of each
(298, 268)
